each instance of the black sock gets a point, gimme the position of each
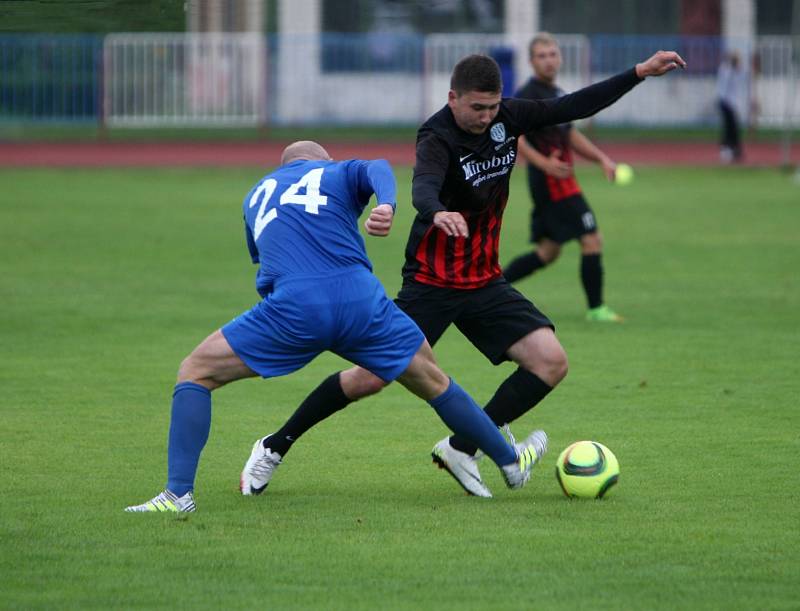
(523, 266)
(326, 399)
(592, 279)
(516, 395)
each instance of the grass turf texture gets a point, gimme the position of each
(110, 277)
(17, 131)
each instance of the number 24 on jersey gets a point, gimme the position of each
(311, 199)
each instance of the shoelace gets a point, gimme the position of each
(263, 466)
(509, 434)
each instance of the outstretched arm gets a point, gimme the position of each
(533, 114)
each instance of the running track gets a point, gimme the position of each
(206, 154)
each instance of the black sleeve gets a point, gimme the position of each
(432, 157)
(533, 114)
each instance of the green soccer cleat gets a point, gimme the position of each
(603, 314)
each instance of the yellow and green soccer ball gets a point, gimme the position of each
(587, 470)
(623, 175)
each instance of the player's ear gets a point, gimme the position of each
(452, 98)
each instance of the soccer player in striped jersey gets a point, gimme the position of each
(464, 156)
(560, 212)
(319, 293)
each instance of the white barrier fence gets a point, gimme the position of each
(184, 79)
(248, 79)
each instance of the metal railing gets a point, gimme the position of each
(184, 79)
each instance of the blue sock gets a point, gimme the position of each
(188, 433)
(460, 412)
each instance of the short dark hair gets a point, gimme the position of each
(476, 73)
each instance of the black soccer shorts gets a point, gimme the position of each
(562, 221)
(493, 317)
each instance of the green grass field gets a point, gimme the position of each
(88, 131)
(110, 277)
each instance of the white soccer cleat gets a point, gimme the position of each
(166, 502)
(258, 469)
(529, 452)
(462, 466)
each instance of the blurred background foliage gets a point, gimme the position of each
(92, 16)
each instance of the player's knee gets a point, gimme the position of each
(558, 365)
(187, 372)
(551, 364)
(548, 255)
(191, 370)
(592, 243)
(358, 383)
(371, 385)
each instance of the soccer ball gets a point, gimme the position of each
(623, 175)
(587, 470)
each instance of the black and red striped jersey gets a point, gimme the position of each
(546, 140)
(460, 172)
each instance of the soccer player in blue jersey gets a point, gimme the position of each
(319, 294)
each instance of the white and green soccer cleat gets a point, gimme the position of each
(258, 469)
(166, 502)
(462, 466)
(529, 452)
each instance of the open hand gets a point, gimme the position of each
(660, 63)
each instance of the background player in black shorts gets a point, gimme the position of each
(560, 212)
(464, 156)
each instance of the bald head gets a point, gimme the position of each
(304, 149)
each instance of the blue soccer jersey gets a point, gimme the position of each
(314, 275)
(303, 218)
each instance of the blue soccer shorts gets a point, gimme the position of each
(345, 312)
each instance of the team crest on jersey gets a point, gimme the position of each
(498, 132)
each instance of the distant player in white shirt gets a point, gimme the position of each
(732, 99)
